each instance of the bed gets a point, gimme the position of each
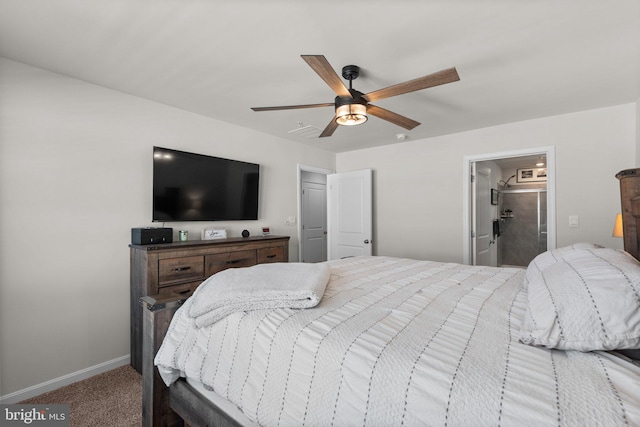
(397, 341)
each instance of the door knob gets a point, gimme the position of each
(366, 242)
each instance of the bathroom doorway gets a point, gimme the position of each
(522, 209)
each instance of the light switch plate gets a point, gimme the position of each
(574, 221)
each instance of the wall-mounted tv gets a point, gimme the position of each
(195, 187)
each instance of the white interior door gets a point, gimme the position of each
(314, 222)
(483, 221)
(349, 197)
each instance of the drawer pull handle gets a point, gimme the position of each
(186, 291)
(233, 261)
(271, 256)
(182, 268)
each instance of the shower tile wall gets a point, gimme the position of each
(519, 241)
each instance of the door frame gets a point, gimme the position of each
(305, 168)
(549, 152)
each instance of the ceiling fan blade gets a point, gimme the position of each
(331, 127)
(392, 117)
(293, 107)
(449, 75)
(326, 72)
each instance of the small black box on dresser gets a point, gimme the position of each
(149, 235)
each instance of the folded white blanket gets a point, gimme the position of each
(262, 286)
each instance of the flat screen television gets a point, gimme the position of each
(195, 187)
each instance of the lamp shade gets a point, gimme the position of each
(351, 114)
(617, 227)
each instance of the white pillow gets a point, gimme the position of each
(587, 299)
(548, 258)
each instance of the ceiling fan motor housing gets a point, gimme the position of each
(350, 72)
(357, 98)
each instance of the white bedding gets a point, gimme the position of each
(401, 342)
(262, 286)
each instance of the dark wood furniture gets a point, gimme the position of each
(630, 201)
(157, 313)
(630, 204)
(181, 404)
(179, 267)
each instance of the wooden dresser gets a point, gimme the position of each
(180, 267)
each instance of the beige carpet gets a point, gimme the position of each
(110, 399)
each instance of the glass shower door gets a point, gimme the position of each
(523, 226)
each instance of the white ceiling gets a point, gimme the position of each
(516, 59)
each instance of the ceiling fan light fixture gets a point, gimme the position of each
(351, 114)
(351, 111)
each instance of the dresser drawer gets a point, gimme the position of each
(184, 289)
(180, 270)
(271, 254)
(219, 262)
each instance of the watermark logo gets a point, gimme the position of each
(34, 415)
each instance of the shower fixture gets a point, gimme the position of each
(505, 184)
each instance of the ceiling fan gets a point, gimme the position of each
(352, 106)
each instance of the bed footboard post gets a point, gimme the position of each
(157, 313)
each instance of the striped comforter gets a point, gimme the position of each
(401, 342)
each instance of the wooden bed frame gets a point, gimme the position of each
(181, 404)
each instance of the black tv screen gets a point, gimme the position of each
(195, 187)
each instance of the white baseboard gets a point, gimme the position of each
(71, 378)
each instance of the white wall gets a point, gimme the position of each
(418, 184)
(75, 177)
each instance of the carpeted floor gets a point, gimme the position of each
(110, 399)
